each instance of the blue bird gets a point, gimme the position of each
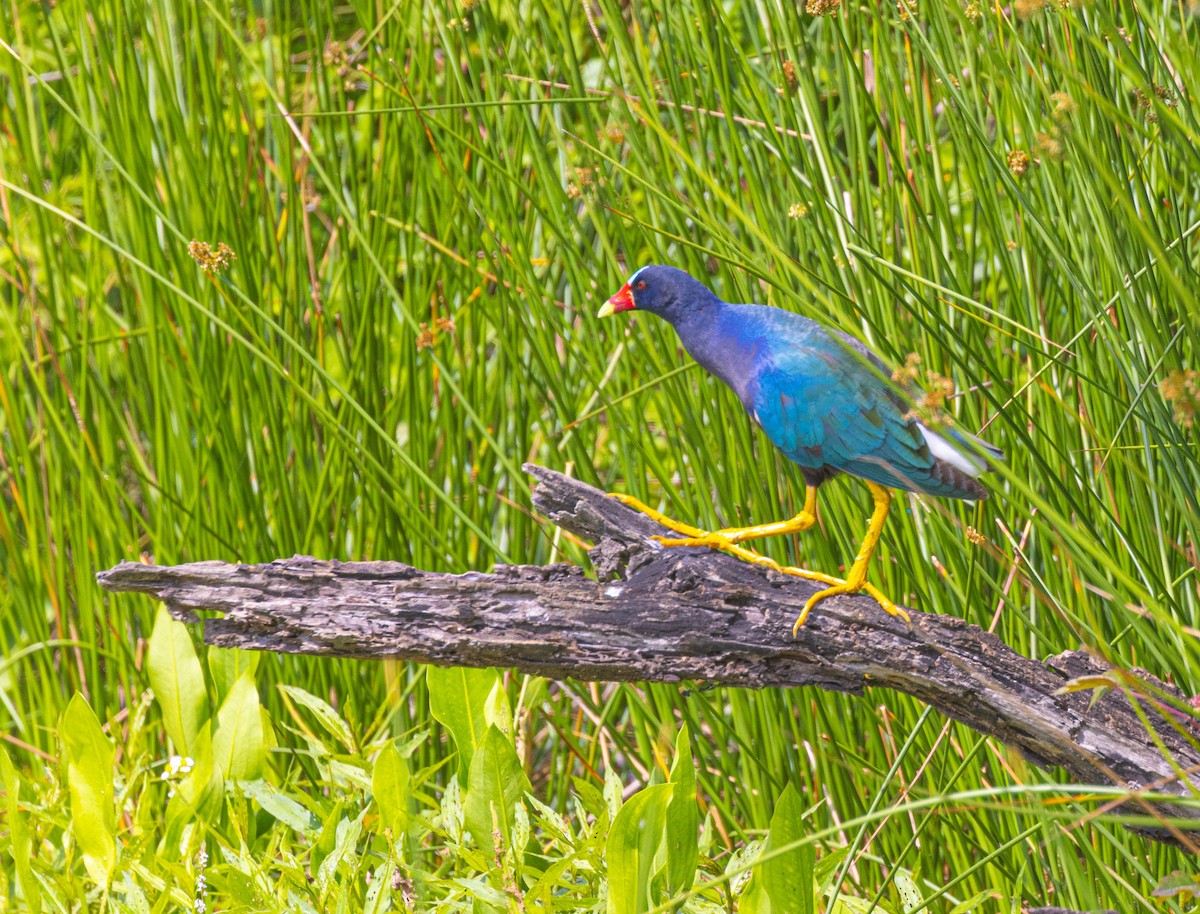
(823, 399)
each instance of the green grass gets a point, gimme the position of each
(505, 166)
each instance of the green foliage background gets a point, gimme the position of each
(428, 202)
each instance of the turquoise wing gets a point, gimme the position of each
(827, 402)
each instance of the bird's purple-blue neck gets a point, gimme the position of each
(698, 317)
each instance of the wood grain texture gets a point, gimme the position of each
(667, 615)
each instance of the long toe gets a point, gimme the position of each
(842, 588)
(643, 508)
(712, 540)
(817, 598)
(887, 605)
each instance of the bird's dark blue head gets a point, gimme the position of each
(670, 293)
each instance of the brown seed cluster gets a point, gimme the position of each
(909, 371)
(930, 406)
(1064, 105)
(975, 536)
(822, 7)
(585, 182)
(1049, 146)
(789, 76)
(613, 133)
(1182, 390)
(429, 334)
(211, 260)
(1019, 162)
(335, 55)
(1143, 100)
(1027, 9)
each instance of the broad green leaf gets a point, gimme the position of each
(452, 816)
(239, 749)
(1177, 884)
(18, 834)
(683, 819)
(135, 901)
(614, 792)
(380, 895)
(788, 876)
(633, 843)
(268, 732)
(910, 895)
(826, 868)
(199, 795)
(848, 904)
(389, 786)
(177, 681)
(328, 718)
(327, 838)
(745, 884)
(550, 822)
(547, 885)
(496, 783)
(590, 797)
(488, 899)
(284, 808)
(226, 664)
(89, 763)
(346, 839)
(242, 889)
(521, 833)
(975, 902)
(754, 899)
(466, 702)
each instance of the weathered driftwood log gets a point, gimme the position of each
(666, 615)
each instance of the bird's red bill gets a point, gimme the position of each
(621, 301)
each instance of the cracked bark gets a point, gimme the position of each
(668, 615)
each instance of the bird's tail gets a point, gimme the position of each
(963, 451)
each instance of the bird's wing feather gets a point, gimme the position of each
(827, 402)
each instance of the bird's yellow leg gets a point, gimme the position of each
(731, 536)
(856, 580)
(657, 516)
(728, 539)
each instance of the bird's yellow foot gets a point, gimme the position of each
(846, 587)
(728, 541)
(856, 580)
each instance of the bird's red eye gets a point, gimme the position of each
(641, 285)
